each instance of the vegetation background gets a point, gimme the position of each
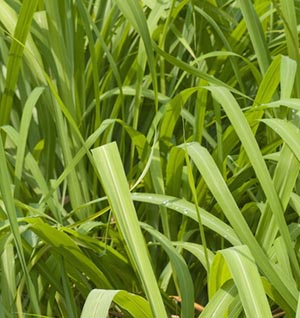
(149, 158)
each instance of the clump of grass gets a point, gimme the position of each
(149, 158)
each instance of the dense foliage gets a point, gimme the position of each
(149, 158)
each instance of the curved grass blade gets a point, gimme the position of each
(69, 250)
(266, 91)
(194, 71)
(99, 301)
(213, 178)
(276, 296)
(198, 251)
(179, 269)
(172, 113)
(285, 176)
(287, 131)
(246, 277)
(188, 209)
(243, 130)
(219, 305)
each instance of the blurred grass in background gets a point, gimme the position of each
(149, 149)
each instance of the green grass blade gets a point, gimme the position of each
(24, 127)
(243, 130)
(198, 251)
(69, 250)
(246, 277)
(288, 166)
(133, 12)
(219, 305)
(134, 304)
(256, 33)
(74, 186)
(298, 309)
(67, 291)
(180, 271)
(285, 177)
(270, 81)
(283, 260)
(238, 264)
(7, 197)
(188, 209)
(158, 185)
(226, 45)
(32, 165)
(219, 189)
(99, 301)
(288, 71)
(15, 57)
(110, 168)
(8, 279)
(79, 155)
(276, 296)
(287, 131)
(61, 36)
(289, 14)
(266, 91)
(194, 71)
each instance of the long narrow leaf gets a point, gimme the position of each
(246, 277)
(15, 58)
(256, 34)
(287, 131)
(7, 197)
(243, 130)
(188, 209)
(109, 166)
(99, 301)
(180, 271)
(218, 187)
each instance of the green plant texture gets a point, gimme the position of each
(149, 158)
